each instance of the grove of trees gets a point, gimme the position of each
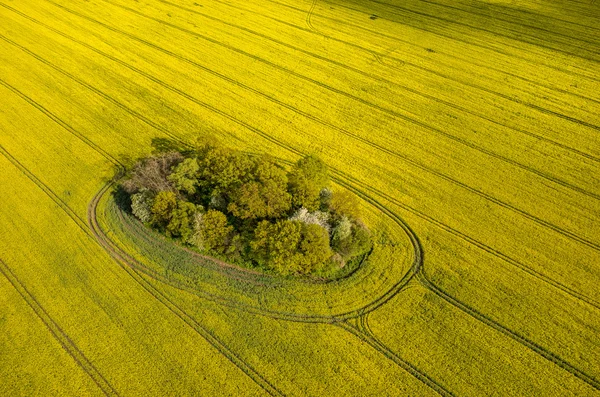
(249, 209)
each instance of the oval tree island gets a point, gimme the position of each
(250, 211)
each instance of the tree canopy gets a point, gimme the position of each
(250, 209)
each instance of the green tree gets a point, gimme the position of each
(224, 169)
(162, 208)
(314, 248)
(275, 245)
(214, 232)
(181, 222)
(290, 247)
(345, 203)
(306, 180)
(265, 196)
(184, 176)
(351, 244)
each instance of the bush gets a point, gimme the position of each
(312, 218)
(352, 244)
(182, 220)
(345, 203)
(290, 246)
(141, 205)
(264, 195)
(152, 173)
(162, 208)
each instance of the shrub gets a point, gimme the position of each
(314, 248)
(312, 218)
(290, 246)
(152, 173)
(162, 208)
(342, 230)
(265, 196)
(275, 245)
(355, 243)
(182, 220)
(141, 205)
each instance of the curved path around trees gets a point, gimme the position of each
(371, 285)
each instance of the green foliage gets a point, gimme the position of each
(162, 208)
(290, 247)
(182, 218)
(224, 169)
(306, 180)
(345, 203)
(265, 196)
(352, 244)
(314, 247)
(275, 245)
(185, 176)
(249, 199)
(314, 169)
(214, 232)
(325, 196)
(141, 205)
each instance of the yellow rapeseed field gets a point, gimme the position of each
(469, 129)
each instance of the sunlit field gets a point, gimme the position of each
(470, 130)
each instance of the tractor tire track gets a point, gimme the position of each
(309, 16)
(590, 380)
(91, 232)
(417, 27)
(387, 54)
(411, 369)
(95, 232)
(174, 308)
(391, 112)
(445, 227)
(493, 252)
(415, 269)
(521, 10)
(464, 237)
(280, 315)
(94, 90)
(290, 317)
(55, 198)
(398, 155)
(370, 340)
(514, 21)
(414, 272)
(58, 333)
(339, 64)
(379, 57)
(488, 31)
(558, 362)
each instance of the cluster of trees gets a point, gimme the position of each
(249, 209)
